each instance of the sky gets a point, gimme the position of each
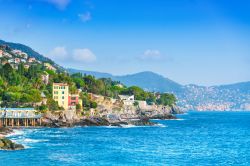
(205, 42)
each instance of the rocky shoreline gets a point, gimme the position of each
(71, 119)
(5, 143)
(97, 121)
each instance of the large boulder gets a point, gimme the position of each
(142, 122)
(94, 121)
(5, 130)
(163, 116)
(6, 144)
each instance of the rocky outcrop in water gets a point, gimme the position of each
(164, 117)
(60, 119)
(5, 131)
(6, 144)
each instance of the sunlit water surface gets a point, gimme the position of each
(198, 138)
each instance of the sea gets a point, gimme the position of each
(196, 138)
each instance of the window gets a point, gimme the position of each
(62, 97)
(55, 97)
(55, 87)
(55, 92)
(62, 92)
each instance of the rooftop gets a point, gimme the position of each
(60, 84)
(17, 109)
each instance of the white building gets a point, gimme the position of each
(127, 100)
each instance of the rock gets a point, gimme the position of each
(176, 110)
(6, 144)
(163, 117)
(60, 119)
(5, 130)
(142, 122)
(94, 121)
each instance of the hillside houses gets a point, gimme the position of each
(49, 66)
(20, 53)
(15, 57)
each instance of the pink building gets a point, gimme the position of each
(73, 99)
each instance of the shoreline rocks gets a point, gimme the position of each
(5, 143)
(5, 131)
(164, 117)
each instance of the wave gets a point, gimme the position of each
(111, 126)
(177, 119)
(167, 119)
(15, 133)
(160, 125)
(28, 140)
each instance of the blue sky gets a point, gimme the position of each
(189, 41)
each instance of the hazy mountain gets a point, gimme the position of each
(150, 81)
(223, 97)
(147, 80)
(93, 73)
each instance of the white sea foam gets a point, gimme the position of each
(28, 140)
(111, 126)
(160, 125)
(16, 133)
(178, 119)
(128, 126)
(167, 119)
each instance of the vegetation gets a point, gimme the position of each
(22, 87)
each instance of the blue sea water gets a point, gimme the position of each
(199, 138)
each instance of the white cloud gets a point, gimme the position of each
(85, 16)
(83, 55)
(151, 55)
(78, 55)
(60, 4)
(58, 53)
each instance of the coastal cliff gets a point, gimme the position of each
(110, 112)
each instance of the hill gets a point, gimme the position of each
(223, 97)
(31, 53)
(147, 80)
(26, 49)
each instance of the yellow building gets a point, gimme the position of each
(61, 94)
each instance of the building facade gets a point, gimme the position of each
(61, 94)
(19, 117)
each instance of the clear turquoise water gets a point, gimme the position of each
(201, 138)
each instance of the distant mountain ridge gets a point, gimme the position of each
(222, 97)
(147, 80)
